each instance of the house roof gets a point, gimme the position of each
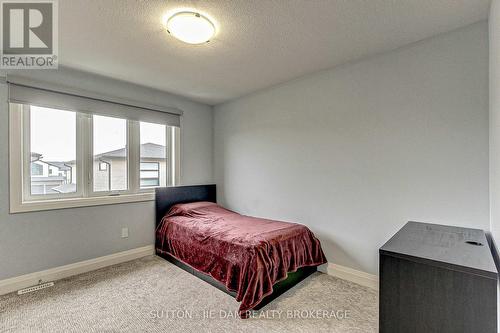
(35, 156)
(61, 165)
(148, 150)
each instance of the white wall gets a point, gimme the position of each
(31, 242)
(494, 130)
(495, 120)
(356, 151)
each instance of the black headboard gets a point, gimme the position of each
(166, 197)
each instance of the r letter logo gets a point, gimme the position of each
(29, 34)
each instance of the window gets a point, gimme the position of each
(103, 166)
(63, 158)
(36, 169)
(153, 155)
(52, 143)
(110, 147)
(150, 174)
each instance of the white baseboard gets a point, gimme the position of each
(19, 282)
(349, 274)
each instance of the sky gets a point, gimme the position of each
(53, 134)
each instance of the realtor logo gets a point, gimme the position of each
(29, 34)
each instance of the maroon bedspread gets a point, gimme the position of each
(248, 255)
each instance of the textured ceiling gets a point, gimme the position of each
(259, 43)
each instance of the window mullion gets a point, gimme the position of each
(26, 142)
(177, 155)
(84, 155)
(173, 156)
(134, 152)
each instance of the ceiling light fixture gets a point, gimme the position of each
(190, 27)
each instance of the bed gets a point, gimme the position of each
(254, 260)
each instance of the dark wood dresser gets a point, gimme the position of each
(436, 278)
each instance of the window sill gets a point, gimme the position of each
(33, 206)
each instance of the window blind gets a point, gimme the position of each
(44, 94)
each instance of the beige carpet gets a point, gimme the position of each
(152, 295)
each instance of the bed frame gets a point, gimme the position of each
(166, 197)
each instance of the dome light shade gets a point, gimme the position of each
(190, 27)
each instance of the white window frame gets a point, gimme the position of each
(21, 199)
(26, 147)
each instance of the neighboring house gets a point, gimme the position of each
(110, 168)
(110, 171)
(47, 176)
